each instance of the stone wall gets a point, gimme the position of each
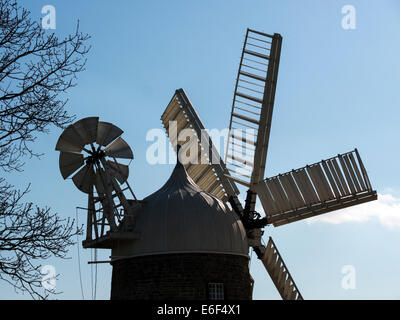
(180, 277)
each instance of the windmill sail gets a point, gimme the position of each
(252, 107)
(205, 167)
(328, 185)
(279, 273)
(119, 149)
(106, 133)
(69, 163)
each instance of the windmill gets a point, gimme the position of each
(175, 242)
(322, 187)
(89, 150)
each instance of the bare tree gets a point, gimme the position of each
(36, 69)
(27, 234)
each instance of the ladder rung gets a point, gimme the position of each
(250, 89)
(252, 83)
(257, 46)
(245, 110)
(245, 125)
(239, 159)
(116, 193)
(246, 96)
(247, 104)
(234, 129)
(245, 118)
(256, 54)
(243, 139)
(255, 61)
(251, 75)
(242, 146)
(242, 168)
(261, 33)
(258, 39)
(251, 67)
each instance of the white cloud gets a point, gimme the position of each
(386, 209)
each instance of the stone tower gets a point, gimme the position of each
(191, 246)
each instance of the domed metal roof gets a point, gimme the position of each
(180, 217)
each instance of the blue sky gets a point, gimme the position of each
(337, 90)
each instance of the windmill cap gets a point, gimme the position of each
(182, 218)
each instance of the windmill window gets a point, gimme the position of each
(216, 291)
